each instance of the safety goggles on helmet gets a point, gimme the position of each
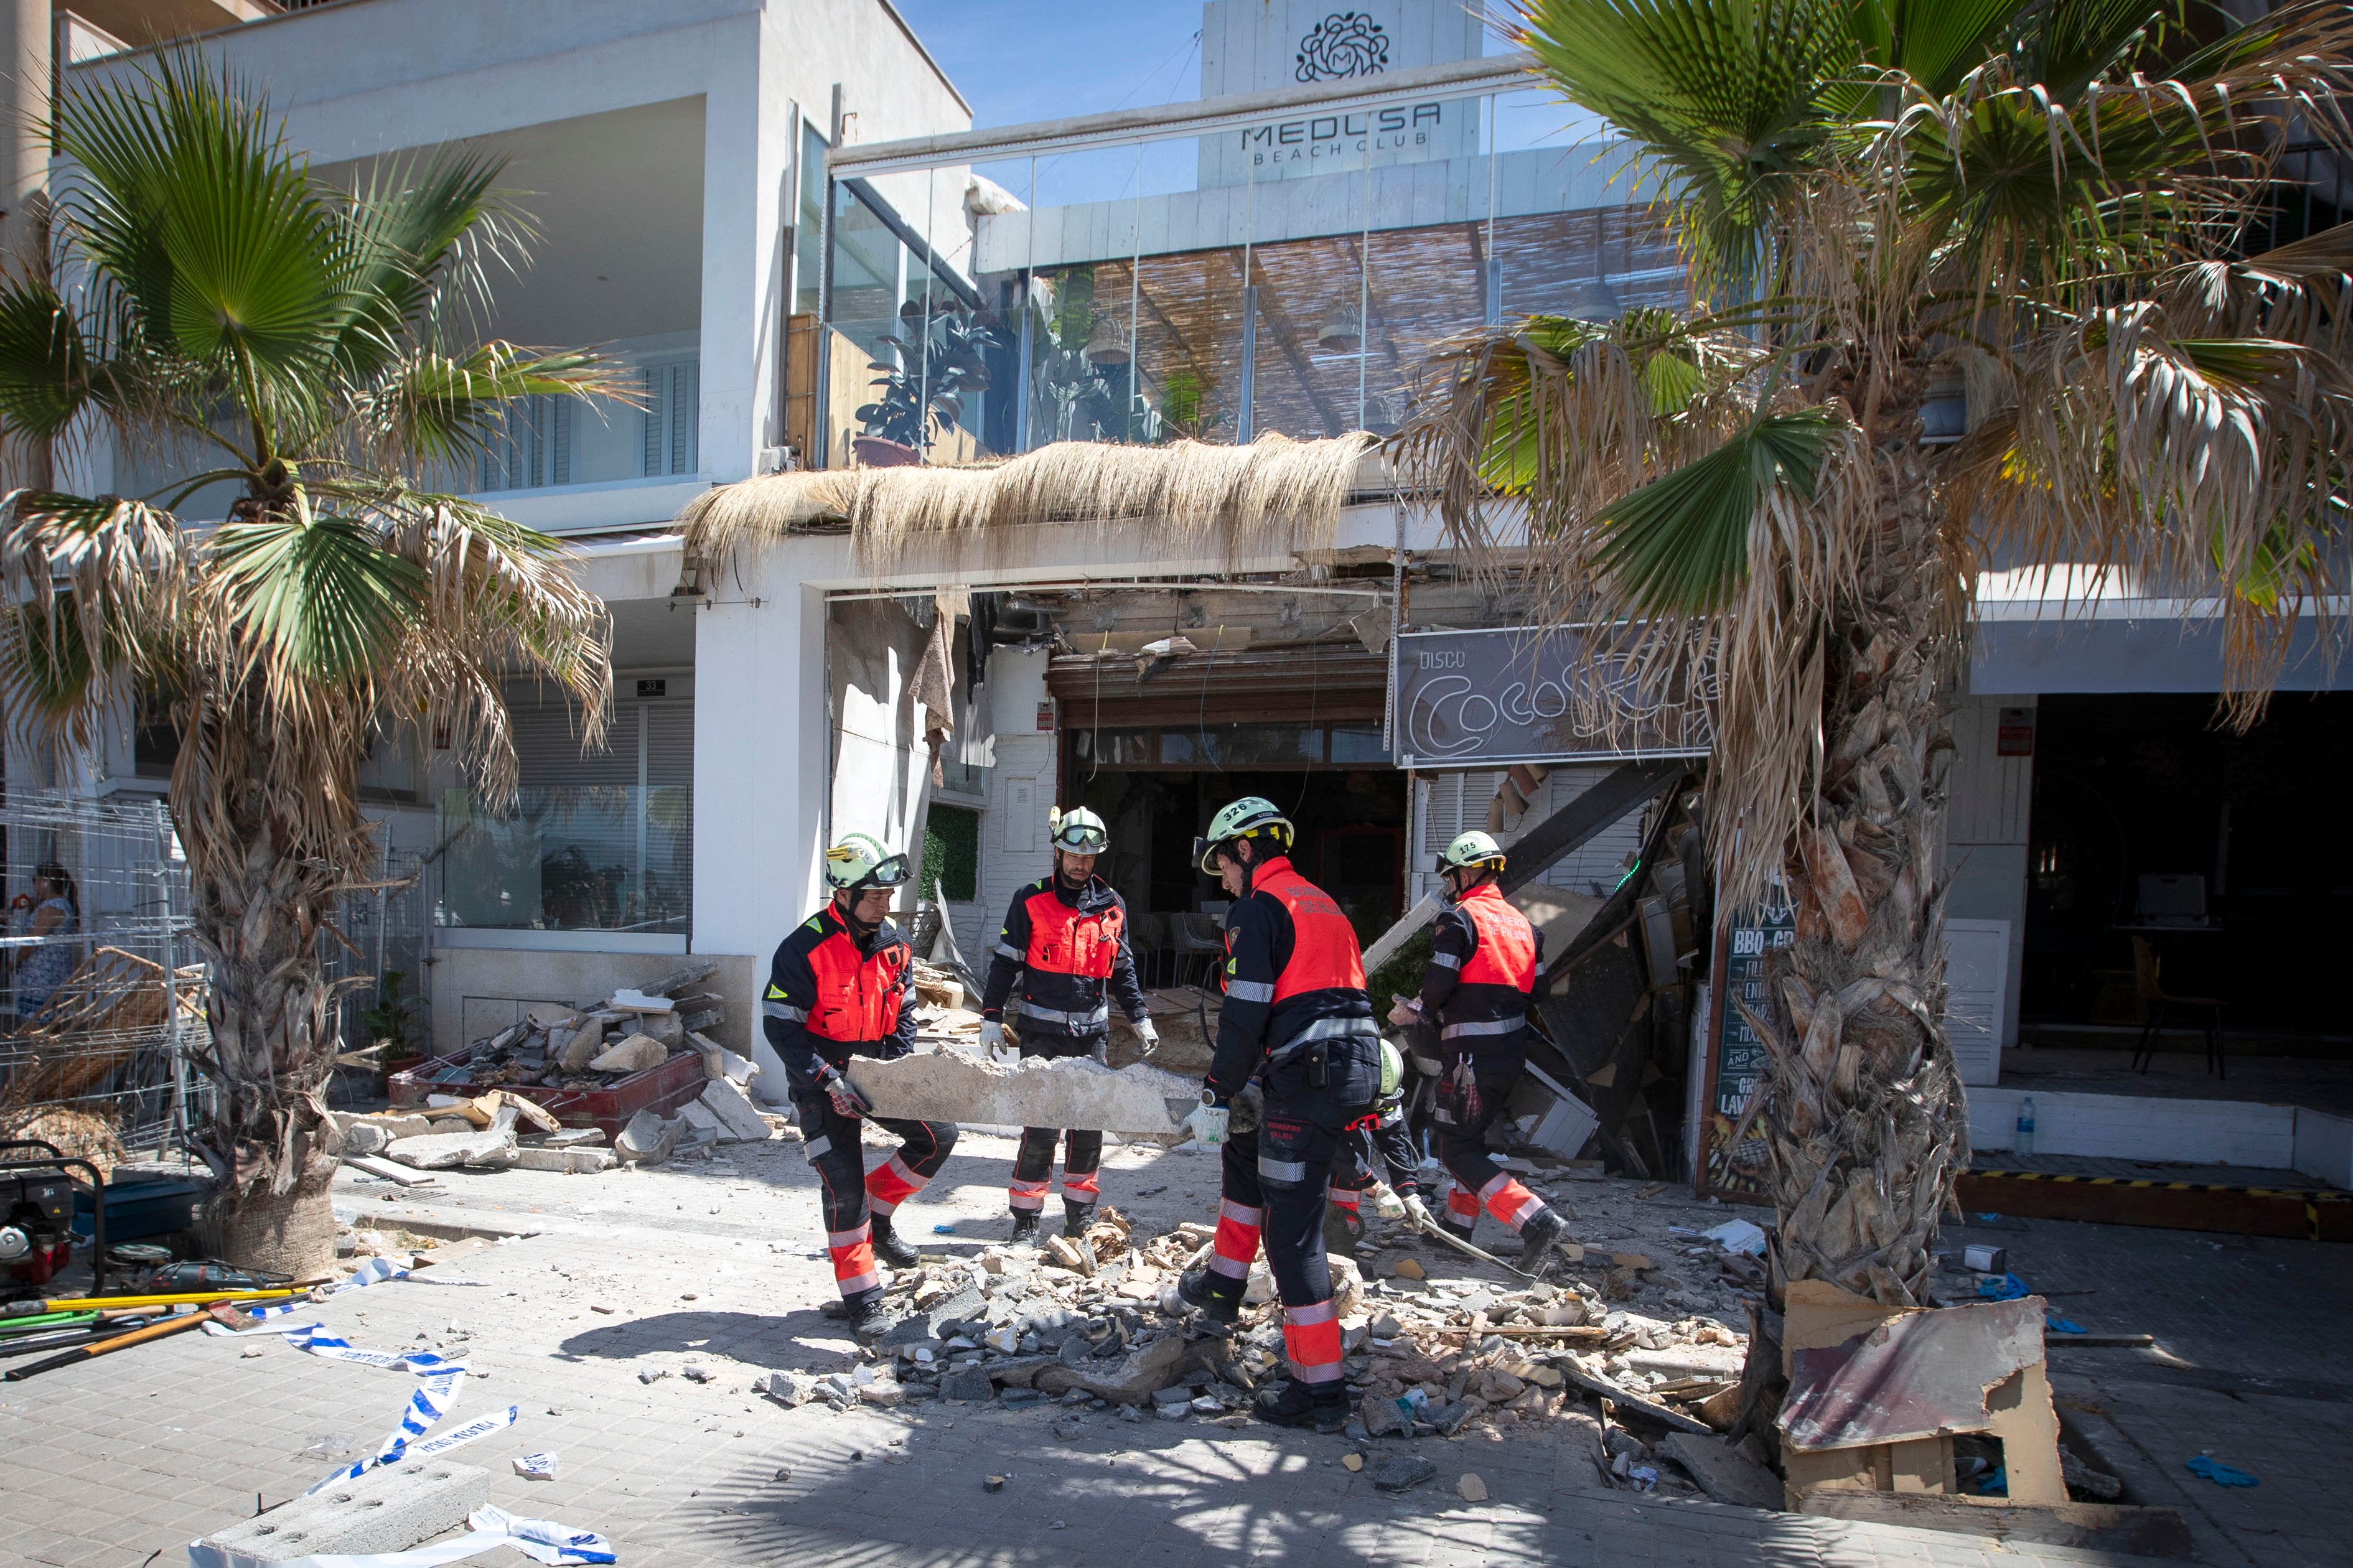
(889, 872)
(1082, 839)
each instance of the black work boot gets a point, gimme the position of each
(1297, 1403)
(1217, 1308)
(890, 1248)
(1076, 1217)
(869, 1319)
(1539, 1238)
(1342, 1228)
(1025, 1227)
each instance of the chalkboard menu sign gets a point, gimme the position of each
(1738, 1059)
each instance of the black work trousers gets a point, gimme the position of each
(849, 1193)
(1033, 1166)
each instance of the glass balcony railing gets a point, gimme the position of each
(618, 858)
(1291, 277)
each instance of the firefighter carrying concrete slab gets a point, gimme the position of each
(838, 988)
(1297, 1020)
(1485, 961)
(1067, 934)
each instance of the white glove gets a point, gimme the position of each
(992, 1035)
(1404, 1011)
(1416, 1211)
(1148, 1035)
(1208, 1123)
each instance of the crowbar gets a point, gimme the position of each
(173, 1325)
(1448, 1237)
(107, 1303)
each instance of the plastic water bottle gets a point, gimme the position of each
(2023, 1142)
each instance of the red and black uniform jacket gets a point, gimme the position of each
(1294, 975)
(1485, 961)
(1071, 946)
(832, 995)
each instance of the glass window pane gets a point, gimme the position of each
(1358, 743)
(1244, 745)
(1113, 748)
(808, 225)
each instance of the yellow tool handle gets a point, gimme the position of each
(187, 1298)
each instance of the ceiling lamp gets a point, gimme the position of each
(1342, 332)
(1107, 343)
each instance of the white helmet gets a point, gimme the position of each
(1077, 830)
(860, 860)
(1473, 849)
(1249, 818)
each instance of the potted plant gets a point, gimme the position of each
(392, 1025)
(923, 390)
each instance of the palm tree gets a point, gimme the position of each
(307, 342)
(2045, 203)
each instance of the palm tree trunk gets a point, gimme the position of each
(1865, 1118)
(259, 911)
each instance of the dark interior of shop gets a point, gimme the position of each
(2160, 833)
(1351, 824)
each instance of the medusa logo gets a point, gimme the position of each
(1343, 44)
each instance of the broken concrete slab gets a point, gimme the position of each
(1069, 1091)
(738, 1120)
(389, 1509)
(1405, 1470)
(719, 1062)
(972, 1384)
(580, 1048)
(790, 1388)
(355, 1136)
(627, 1001)
(635, 1053)
(1021, 1371)
(1722, 1474)
(574, 1138)
(446, 1150)
(698, 1117)
(648, 1140)
(579, 1162)
(399, 1175)
(1131, 1380)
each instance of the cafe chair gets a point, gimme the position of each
(2149, 984)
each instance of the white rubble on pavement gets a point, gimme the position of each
(1071, 1091)
(739, 1121)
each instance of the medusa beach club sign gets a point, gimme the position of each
(1536, 694)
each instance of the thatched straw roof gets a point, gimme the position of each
(1275, 496)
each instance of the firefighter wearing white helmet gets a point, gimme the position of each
(1066, 935)
(1297, 1022)
(1486, 962)
(838, 988)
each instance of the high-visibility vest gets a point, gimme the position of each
(857, 995)
(1067, 941)
(1324, 952)
(1506, 952)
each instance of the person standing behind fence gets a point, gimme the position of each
(56, 912)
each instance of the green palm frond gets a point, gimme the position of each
(444, 407)
(1681, 545)
(45, 373)
(312, 599)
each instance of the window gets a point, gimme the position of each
(1113, 746)
(673, 401)
(951, 870)
(1244, 745)
(1358, 743)
(533, 449)
(809, 226)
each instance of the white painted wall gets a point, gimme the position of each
(2139, 1127)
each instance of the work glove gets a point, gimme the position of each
(1404, 1010)
(1101, 1049)
(992, 1035)
(1208, 1123)
(847, 1100)
(1416, 1211)
(1149, 1036)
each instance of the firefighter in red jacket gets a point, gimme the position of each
(1296, 1020)
(837, 989)
(1485, 961)
(1067, 934)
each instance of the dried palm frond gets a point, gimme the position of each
(1274, 497)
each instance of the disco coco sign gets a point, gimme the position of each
(1530, 694)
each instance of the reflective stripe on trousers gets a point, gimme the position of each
(1311, 1335)
(1237, 1239)
(1510, 1202)
(890, 1184)
(1026, 1195)
(852, 1252)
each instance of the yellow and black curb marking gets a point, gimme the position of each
(2314, 1214)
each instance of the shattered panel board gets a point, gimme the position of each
(1922, 1374)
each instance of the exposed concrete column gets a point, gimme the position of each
(746, 157)
(762, 763)
(25, 30)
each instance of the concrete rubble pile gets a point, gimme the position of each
(477, 1118)
(1096, 1326)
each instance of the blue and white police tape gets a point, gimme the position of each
(542, 1540)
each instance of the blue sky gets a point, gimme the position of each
(1018, 60)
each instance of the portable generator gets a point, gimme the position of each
(37, 1210)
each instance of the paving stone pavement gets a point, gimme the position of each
(124, 1457)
